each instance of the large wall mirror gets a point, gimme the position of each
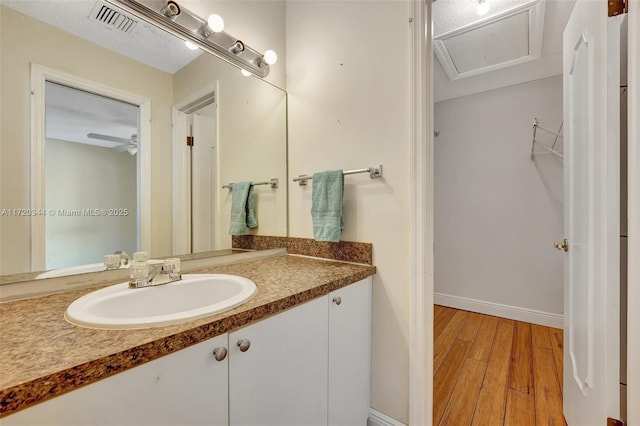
(95, 119)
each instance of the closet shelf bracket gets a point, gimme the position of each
(554, 149)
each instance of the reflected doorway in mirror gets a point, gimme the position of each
(91, 201)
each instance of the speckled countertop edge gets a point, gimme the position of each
(43, 356)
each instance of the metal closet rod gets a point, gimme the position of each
(374, 172)
(273, 182)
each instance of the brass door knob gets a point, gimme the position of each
(564, 245)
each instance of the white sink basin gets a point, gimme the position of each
(195, 296)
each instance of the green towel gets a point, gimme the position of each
(326, 205)
(252, 220)
(242, 208)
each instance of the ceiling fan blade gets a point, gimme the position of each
(131, 149)
(109, 138)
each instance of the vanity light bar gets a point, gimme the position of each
(190, 27)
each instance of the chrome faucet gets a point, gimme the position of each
(159, 274)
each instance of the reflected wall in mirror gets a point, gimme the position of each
(240, 134)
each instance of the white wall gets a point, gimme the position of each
(497, 212)
(348, 80)
(100, 178)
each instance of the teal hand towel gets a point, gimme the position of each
(326, 205)
(252, 220)
(241, 200)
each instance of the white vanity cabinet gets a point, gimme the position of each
(187, 387)
(309, 365)
(350, 354)
(281, 377)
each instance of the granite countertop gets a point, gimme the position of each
(42, 355)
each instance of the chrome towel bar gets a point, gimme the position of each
(374, 172)
(273, 182)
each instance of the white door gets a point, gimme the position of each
(591, 115)
(194, 174)
(203, 179)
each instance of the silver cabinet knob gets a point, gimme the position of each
(244, 344)
(220, 353)
(337, 300)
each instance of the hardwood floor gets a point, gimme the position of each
(495, 371)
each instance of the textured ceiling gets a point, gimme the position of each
(449, 15)
(145, 43)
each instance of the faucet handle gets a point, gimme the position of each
(141, 256)
(112, 261)
(139, 271)
(124, 257)
(171, 265)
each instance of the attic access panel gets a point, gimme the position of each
(508, 38)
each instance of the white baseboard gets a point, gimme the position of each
(376, 418)
(498, 310)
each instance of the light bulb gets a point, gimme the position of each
(270, 57)
(191, 45)
(245, 73)
(483, 7)
(215, 23)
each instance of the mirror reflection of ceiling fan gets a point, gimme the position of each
(130, 145)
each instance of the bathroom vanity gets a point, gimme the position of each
(297, 353)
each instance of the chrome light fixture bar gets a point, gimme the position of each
(188, 26)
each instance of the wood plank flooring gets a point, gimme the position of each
(495, 371)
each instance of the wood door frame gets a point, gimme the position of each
(39, 76)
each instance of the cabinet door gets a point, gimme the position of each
(350, 354)
(188, 387)
(281, 379)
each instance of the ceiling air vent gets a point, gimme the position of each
(113, 18)
(508, 38)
